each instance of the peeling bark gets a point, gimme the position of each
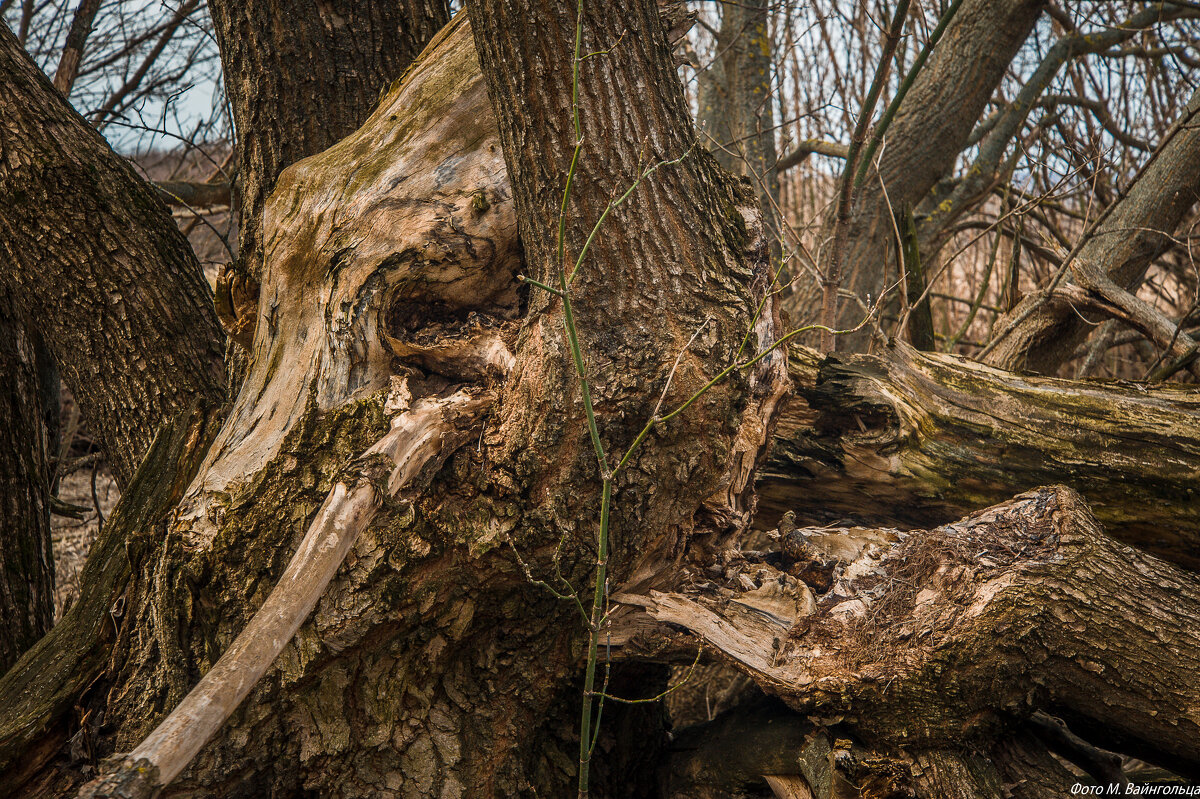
(918, 439)
(430, 666)
(428, 432)
(936, 640)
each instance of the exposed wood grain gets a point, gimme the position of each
(919, 439)
(427, 432)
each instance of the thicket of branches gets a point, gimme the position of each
(1078, 111)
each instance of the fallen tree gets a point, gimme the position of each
(918, 439)
(919, 658)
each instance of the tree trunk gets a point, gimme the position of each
(93, 256)
(737, 105)
(26, 565)
(303, 74)
(927, 647)
(51, 693)
(919, 439)
(432, 666)
(924, 140)
(435, 664)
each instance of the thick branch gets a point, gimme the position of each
(918, 439)
(96, 259)
(68, 63)
(193, 195)
(985, 170)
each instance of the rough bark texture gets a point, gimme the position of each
(431, 667)
(658, 272)
(94, 257)
(918, 439)
(931, 128)
(938, 640)
(418, 442)
(50, 696)
(1043, 331)
(26, 565)
(303, 74)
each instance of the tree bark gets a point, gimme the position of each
(95, 258)
(919, 439)
(923, 142)
(301, 75)
(674, 268)
(737, 105)
(1043, 331)
(939, 640)
(51, 696)
(26, 564)
(431, 665)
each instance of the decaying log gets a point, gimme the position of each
(393, 253)
(918, 439)
(420, 440)
(762, 742)
(939, 640)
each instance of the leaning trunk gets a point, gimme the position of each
(922, 144)
(141, 341)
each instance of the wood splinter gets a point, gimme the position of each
(424, 435)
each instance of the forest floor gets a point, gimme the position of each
(72, 538)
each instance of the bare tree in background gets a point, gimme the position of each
(360, 483)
